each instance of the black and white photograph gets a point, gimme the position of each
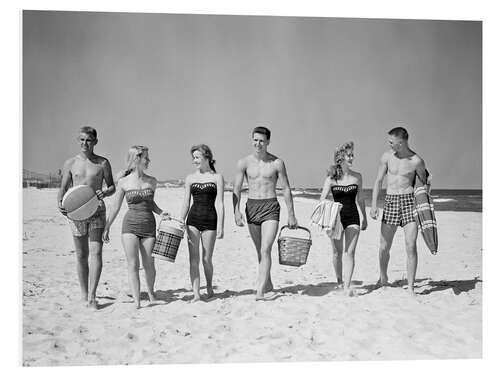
(217, 188)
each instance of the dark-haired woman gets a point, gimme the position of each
(346, 187)
(205, 220)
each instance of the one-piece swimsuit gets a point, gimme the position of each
(139, 219)
(202, 214)
(346, 194)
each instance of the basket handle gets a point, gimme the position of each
(170, 218)
(298, 227)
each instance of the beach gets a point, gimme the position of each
(309, 319)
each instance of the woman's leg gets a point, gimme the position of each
(351, 240)
(207, 245)
(337, 246)
(194, 260)
(148, 262)
(131, 245)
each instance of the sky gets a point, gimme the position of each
(171, 81)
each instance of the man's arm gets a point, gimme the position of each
(361, 202)
(219, 206)
(115, 208)
(108, 178)
(382, 171)
(287, 193)
(421, 171)
(238, 182)
(66, 181)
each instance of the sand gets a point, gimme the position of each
(308, 319)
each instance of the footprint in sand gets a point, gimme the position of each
(132, 337)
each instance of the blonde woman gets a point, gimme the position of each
(346, 187)
(139, 225)
(205, 221)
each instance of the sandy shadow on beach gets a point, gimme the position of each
(458, 286)
(369, 288)
(315, 290)
(168, 296)
(232, 293)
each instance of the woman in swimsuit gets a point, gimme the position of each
(139, 225)
(205, 220)
(346, 187)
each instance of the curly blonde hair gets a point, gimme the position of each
(133, 156)
(335, 170)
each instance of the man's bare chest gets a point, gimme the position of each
(85, 169)
(401, 166)
(261, 171)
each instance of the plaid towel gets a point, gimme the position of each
(326, 215)
(424, 214)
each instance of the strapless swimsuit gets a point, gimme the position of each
(202, 214)
(346, 194)
(139, 219)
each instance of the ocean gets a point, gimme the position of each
(443, 199)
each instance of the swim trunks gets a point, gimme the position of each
(399, 209)
(259, 210)
(346, 194)
(202, 214)
(92, 226)
(139, 219)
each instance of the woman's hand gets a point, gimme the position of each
(220, 233)
(364, 224)
(165, 215)
(62, 209)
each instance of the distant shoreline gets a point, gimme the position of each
(462, 200)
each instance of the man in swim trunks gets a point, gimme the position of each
(262, 171)
(87, 168)
(401, 165)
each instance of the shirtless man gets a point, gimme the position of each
(401, 165)
(90, 169)
(262, 171)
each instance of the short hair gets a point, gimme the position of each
(399, 132)
(262, 130)
(89, 130)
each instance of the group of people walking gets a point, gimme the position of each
(204, 218)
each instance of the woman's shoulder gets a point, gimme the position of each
(218, 177)
(356, 175)
(329, 180)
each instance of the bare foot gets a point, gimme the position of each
(152, 298)
(349, 292)
(196, 298)
(382, 283)
(262, 297)
(85, 299)
(411, 293)
(210, 292)
(93, 305)
(269, 287)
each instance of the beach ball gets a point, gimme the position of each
(80, 202)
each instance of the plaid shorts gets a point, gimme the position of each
(399, 209)
(86, 227)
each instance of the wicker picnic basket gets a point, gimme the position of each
(168, 239)
(293, 251)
